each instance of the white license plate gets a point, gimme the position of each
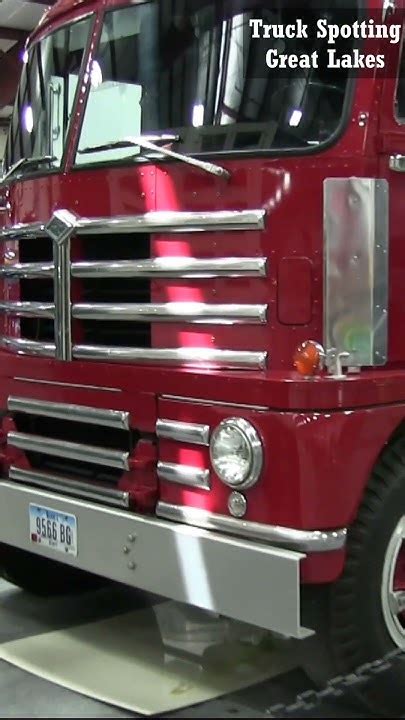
(53, 529)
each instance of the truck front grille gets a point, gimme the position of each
(51, 435)
(86, 289)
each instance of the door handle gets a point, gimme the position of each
(397, 163)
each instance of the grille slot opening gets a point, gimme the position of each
(86, 433)
(115, 290)
(125, 246)
(38, 250)
(118, 333)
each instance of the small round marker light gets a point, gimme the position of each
(309, 358)
(237, 504)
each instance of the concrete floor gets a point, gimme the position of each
(24, 695)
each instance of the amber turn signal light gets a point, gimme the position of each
(309, 358)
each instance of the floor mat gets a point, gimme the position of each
(123, 661)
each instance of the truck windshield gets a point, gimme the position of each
(192, 67)
(46, 96)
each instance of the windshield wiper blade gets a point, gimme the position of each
(27, 162)
(128, 142)
(149, 142)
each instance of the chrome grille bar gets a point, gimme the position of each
(183, 357)
(29, 231)
(71, 450)
(20, 346)
(174, 222)
(70, 486)
(27, 270)
(171, 267)
(145, 312)
(153, 222)
(28, 309)
(76, 413)
(183, 432)
(172, 312)
(186, 357)
(184, 475)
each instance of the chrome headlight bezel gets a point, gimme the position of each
(252, 439)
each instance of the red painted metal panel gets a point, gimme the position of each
(294, 291)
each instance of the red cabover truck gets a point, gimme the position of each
(202, 365)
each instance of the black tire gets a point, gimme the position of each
(348, 615)
(41, 576)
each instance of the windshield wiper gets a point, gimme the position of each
(26, 163)
(149, 142)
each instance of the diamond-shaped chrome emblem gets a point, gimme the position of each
(61, 226)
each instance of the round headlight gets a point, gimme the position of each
(236, 453)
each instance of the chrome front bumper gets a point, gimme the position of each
(238, 578)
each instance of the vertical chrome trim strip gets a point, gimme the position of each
(61, 228)
(63, 328)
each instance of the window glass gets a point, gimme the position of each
(191, 67)
(46, 95)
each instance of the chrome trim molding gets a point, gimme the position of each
(70, 486)
(72, 450)
(79, 386)
(301, 540)
(76, 413)
(174, 222)
(171, 267)
(28, 309)
(188, 312)
(184, 357)
(201, 401)
(184, 475)
(183, 432)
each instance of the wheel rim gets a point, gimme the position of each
(393, 586)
